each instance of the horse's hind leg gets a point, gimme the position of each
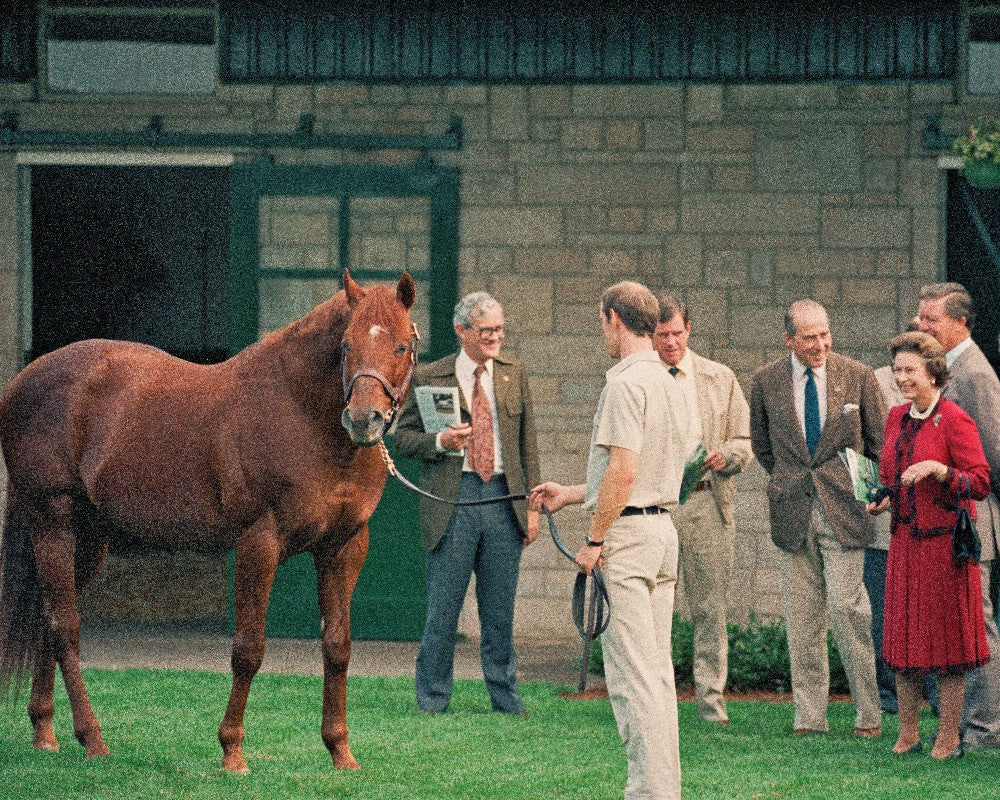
(41, 706)
(336, 575)
(54, 541)
(256, 563)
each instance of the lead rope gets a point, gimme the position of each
(591, 619)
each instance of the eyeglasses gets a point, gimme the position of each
(488, 333)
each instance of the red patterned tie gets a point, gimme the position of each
(481, 446)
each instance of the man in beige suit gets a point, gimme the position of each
(804, 409)
(487, 539)
(720, 419)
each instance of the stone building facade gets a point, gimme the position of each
(739, 197)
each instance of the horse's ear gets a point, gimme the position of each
(406, 292)
(354, 291)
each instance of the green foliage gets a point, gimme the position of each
(161, 724)
(758, 656)
(981, 143)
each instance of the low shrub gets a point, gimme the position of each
(758, 656)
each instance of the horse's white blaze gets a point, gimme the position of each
(375, 330)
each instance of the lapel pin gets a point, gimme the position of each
(936, 420)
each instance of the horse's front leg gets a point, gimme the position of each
(256, 562)
(336, 576)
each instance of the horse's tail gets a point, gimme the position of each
(21, 624)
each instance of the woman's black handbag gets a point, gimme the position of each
(965, 545)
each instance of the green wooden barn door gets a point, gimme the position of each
(293, 229)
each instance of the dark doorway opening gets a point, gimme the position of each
(134, 253)
(973, 256)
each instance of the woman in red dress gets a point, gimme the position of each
(933, 607)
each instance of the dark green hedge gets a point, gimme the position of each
(758, 657)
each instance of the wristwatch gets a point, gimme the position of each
(592, 543)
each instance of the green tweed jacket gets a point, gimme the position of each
(441, 473)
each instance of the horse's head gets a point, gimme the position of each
(379, 350)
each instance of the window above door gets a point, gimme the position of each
(128, 47)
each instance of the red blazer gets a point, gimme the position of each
(950, 436)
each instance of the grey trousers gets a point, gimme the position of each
(824, 582)
(480, 540)
(980, 725)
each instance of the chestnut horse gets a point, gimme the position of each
(259, 453)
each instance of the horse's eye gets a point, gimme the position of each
(401, 350)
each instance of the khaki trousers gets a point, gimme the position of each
(640, 569)
(706, 558)
(826, 576)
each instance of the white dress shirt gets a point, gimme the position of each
(799, 392)
(685, 379)
(465, 369)
(952, 355)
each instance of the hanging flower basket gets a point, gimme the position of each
(982, 174)
(980, 151)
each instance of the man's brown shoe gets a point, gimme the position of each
(806, 731)
(868, 733)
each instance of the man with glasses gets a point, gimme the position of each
(491, 452)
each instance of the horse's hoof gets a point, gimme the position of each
(97, 750)
(45, 739)
(48, 746)
(235, 764)
(345, 762)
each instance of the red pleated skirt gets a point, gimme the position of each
(933, 610)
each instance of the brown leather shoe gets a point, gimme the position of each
(806, 731)
(868, 733)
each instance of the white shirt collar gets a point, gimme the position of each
(686, 364)
(468, 366)
(799, 369)
(952, 355)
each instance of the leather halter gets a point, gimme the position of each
(395, 393)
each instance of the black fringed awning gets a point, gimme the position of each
(557, 41)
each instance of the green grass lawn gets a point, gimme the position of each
(161, 728)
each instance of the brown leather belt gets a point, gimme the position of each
(630, 511)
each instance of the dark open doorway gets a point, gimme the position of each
(136, 253)
(973, 247)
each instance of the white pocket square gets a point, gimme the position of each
(849, 407)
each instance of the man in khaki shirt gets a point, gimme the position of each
(633, 480)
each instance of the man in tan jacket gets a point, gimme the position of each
(720, 419)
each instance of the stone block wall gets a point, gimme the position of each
(739, 198)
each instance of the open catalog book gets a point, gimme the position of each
(438, 407)
(864, 474)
